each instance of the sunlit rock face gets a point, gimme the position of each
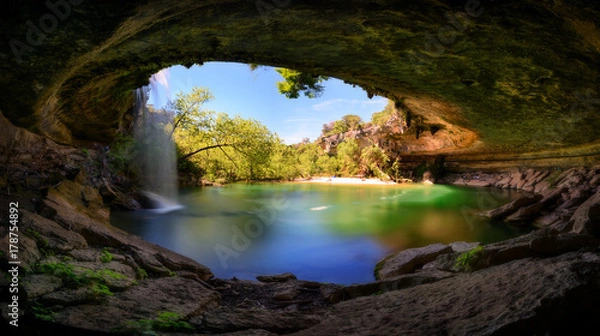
(512, 76)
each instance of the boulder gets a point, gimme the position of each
(50, 234)
(525, 213)
(513, 206)
(408, 260)
(586, 218)
(276, 278)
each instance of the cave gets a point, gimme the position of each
(503, 87)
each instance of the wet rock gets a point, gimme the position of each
(224, 319)
(408, 260)
(276, 278)
(513, 206)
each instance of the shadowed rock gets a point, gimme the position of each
(406, 261)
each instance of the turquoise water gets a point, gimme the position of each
(320, 232)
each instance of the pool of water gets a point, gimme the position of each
(320, 232)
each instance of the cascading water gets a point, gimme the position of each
(157, 158)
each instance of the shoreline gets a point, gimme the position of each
(347, 181)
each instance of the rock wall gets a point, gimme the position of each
(80, 275)
(520, 75)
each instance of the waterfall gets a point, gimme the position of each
(157, 159)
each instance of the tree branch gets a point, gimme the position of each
(183, 157)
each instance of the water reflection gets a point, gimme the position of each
(319, 232)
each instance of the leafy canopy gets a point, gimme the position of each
(294, 82)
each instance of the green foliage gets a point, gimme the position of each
(165, 322)
(141, 327)
(374, 160)
(41, 312)
(349, 122)
(467, 259)
(348, 154)
(65, 272)
(73, 278)
(383, 117)
(220, 146)
(141, 273)
(106, 256)
(101, 290)
(295, 82)
(169, 321)
(121, 155)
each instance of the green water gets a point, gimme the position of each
(329, 233)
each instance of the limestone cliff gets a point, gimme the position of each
(519, 75)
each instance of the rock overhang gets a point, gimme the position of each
(518, 75)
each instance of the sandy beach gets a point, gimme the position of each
(346, 180)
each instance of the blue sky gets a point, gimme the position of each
(253, 94)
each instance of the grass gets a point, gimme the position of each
(466, 260)
(165, 322)
(141, 273)
(72, 278)
(42, 313)
(106, 256)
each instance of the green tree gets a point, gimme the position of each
(374, 160)
(352, 121)
(189, 114)
(382, 117)
(225, 147)
(294, 82)
(348, 155)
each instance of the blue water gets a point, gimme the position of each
(328, 233)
